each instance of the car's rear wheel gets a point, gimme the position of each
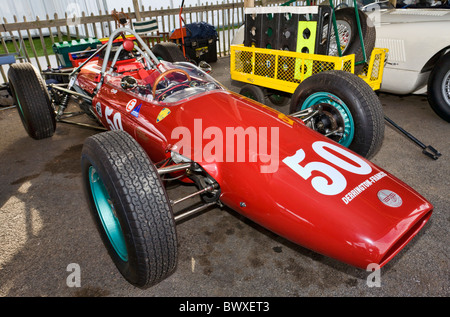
(32, 100)
(439, 88)
(130, 207)
(350, 112)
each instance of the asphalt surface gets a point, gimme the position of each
(45, 226)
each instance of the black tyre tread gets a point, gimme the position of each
(369, 45)
(169, 52)
(147, 206)
(434, 94)
(39, 116)
(374, 112)
(257, 92)
(361, 91)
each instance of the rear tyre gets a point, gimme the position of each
(439, 88)
(169, 52)
(32, 100)
(253, 92)
(130, 207)
(348, 105)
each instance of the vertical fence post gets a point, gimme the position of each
(249, 3)
(137, 10)
(44, 47)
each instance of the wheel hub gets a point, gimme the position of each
(332, 117)
(328, 121)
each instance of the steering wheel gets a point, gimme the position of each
(167, 72)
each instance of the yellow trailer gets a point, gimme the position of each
(284, 70)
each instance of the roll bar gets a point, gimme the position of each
(108, 46)
(121, 31)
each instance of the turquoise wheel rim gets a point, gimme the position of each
(342, 109)
(19, 106)
(107, 215)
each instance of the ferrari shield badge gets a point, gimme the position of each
(164, 113)
(389, 198)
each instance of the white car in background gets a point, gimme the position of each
(418, 62)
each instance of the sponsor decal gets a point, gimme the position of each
(164, 113)
(131, 104)
(114, 91)
(136, 111)
(353, 193)
(389, 198)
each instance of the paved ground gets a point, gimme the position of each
(45, 226)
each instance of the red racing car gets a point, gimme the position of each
(174, 121)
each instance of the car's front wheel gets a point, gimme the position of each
(439, 88)
(130, 207)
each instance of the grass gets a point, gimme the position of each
(37, 45)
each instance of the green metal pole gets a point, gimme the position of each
(361, 40)
(336, 34)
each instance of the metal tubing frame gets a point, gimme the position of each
(74, 93)
(191, 212)
(109, 45)
(204, 190)
(85, 125)
(182, 215)
(174, 168)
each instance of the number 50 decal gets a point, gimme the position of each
(116, 122)
(338, 181)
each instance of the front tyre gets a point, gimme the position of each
(439, 88)
(130, 207)
(350, 111)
